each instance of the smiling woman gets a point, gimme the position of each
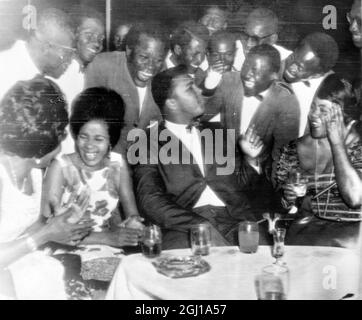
(331, 153)
(95, 124)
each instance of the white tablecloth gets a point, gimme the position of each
(315, 273)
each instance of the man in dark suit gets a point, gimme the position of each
(130, 73)
(256, 99)
(183, 182)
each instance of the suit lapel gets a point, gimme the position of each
(183, 150)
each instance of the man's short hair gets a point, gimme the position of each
(188, 30)
(220, 36)
(324, 47)
(151, 29)
(266, 50)
(80, 13)
(340, 91)
(266, 17)
(162, 84)
(54, 17)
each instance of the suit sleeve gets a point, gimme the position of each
(214, 101)
(287, 124)
(157, 205)
(96, 73)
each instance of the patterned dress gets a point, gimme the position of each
(329, 205)
(101, 184)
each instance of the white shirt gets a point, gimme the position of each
(191, 140)
(71, 83)
(141, 97)
(15, 65)
(240, 55)
(305, 95)
(249, 107)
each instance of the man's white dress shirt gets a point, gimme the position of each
(191, 140)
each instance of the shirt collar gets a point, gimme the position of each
(260, 96)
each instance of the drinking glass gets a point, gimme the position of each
(278, 247)
(274, 283)
(200, 239)
(299, 185)
(248, 236)
(151, 243)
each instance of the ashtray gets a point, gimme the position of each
(181, 267)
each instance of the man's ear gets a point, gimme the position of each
(177, 50)
(171, 104)
(274, 76)
(273, 38)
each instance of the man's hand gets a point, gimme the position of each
(251, 144)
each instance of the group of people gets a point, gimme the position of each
(197, 125)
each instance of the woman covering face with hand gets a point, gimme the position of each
(95, 123)
(33, 117)
(331, 153)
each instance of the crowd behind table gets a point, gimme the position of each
(200, 124)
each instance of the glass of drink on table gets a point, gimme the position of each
(200, 239)
(151, 243)
(248, 236)
(274, 283)
(298, 184)
(278, 247)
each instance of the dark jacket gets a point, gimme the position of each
(276, 120)
(110, 70)
(166, 193)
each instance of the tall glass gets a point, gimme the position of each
(298, 184)
(151, 243)
(200, 239)
(248, 236)
(274, 283)
(278, 247)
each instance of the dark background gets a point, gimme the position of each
(297, 18)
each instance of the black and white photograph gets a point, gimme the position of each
(202, 151)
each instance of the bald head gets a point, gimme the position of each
(261, 28)
(52, 44)
(53, 23)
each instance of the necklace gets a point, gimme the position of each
(316, 185)
(15, 177)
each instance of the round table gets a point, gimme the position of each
(315, 273)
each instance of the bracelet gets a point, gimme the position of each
(31, 243)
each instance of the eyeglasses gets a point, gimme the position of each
(63, 51)
(351, 20)
(256, 39)
(92, 37)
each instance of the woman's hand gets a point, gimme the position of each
(58, 229)
(289, 194)
(133, 222)
(123, 237)
(335, 125)
(251, 144)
